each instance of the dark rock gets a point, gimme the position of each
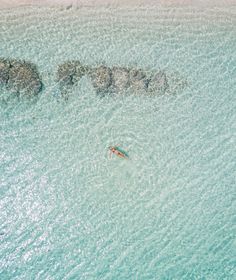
(120, 79)
(101, 78)
(4, 71)
(138, 80)
(117, 79)
(65, 73)
(24, 77)
(158, 83)
(70, 73)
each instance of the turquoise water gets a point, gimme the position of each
(70, 212)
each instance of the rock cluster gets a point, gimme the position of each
(106, 80)
(20, 76)
(23, 77)
(120, 79)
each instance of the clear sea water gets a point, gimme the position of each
(67, 211)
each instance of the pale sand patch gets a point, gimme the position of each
(78, 3)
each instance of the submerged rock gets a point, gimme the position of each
(120, 79)
(65, 73)
(4, 71)
(138, 80)
(70, 73)
(24, 78)
(117, 79)
(20, 76)
(101, 78)
(158, 83)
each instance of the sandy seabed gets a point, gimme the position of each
(78, 3)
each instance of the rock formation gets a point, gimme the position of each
(4, 71)
(20, 76)
(116, 80)
(138, 80)
(120, 79)
(70, 73)
(101, 78)
(158, 83)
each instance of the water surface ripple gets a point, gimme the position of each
(70, 212)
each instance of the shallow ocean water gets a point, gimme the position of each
(70, 212)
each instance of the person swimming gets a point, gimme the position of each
(117, 151)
